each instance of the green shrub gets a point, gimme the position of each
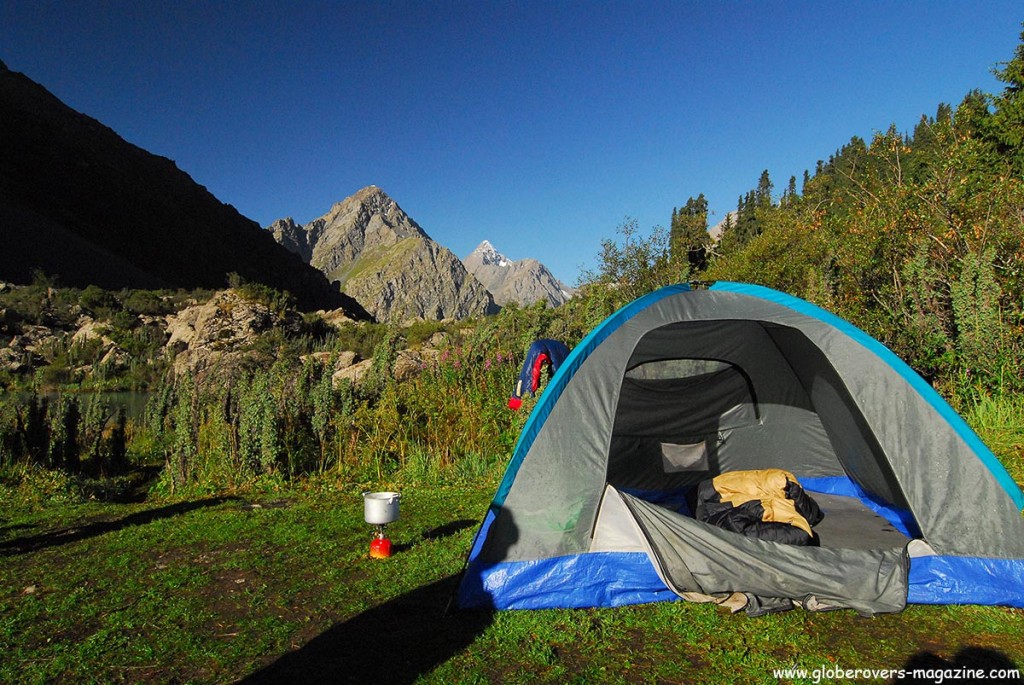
(146, 302)
(98, 301)
(275, 300)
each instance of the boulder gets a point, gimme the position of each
(354, 373)
(342, 360)
(89, 329)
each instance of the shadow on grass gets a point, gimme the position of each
(438, 533)
(969, 665)
(395, 642)
(64, 536)
(450, 529)
(5, 530)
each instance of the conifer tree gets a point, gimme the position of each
(763, 194)
(748, 223)
(688, 237)
(971, 118)
(1007, 121)
(789, 194)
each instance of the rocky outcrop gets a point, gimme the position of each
(524, 281)
(293, 237)
(336, 318)
(20, 352)
(386, 261)
(219, 333)
(89, 330)
(406, 365)
(215, 340)
(25, 347)
(78, 201)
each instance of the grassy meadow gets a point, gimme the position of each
(280, 588)
(275, 584)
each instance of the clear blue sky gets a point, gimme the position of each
(537, 125)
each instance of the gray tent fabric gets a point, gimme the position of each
(696, 557)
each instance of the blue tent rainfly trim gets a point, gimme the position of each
(966, 580)
(594, 579)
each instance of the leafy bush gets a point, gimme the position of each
(635, 267)
(147, 302)
(274, 299)
(98, 301)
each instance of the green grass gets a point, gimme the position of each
(205, 591)
(376, 259)
(999, 422)
(217, 590)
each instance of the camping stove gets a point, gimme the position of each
(380, 509)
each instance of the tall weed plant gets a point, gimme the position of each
(987, 345)
(79, 435)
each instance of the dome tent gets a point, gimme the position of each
(682, 385)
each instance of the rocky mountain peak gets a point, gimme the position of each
(385, 260)
(523, 281)
(376, 199)
(370, 209)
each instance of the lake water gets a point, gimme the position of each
(133, 402)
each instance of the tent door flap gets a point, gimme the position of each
(692, 556)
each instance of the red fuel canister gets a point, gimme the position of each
(380, 548)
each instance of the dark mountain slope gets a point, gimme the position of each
(78, 201)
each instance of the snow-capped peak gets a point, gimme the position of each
(490, 256)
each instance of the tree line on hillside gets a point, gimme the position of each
(916, 237)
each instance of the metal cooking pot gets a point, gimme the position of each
(380, 507)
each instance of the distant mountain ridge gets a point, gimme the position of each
(78, 201)
(385, 260)
(524, 281)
